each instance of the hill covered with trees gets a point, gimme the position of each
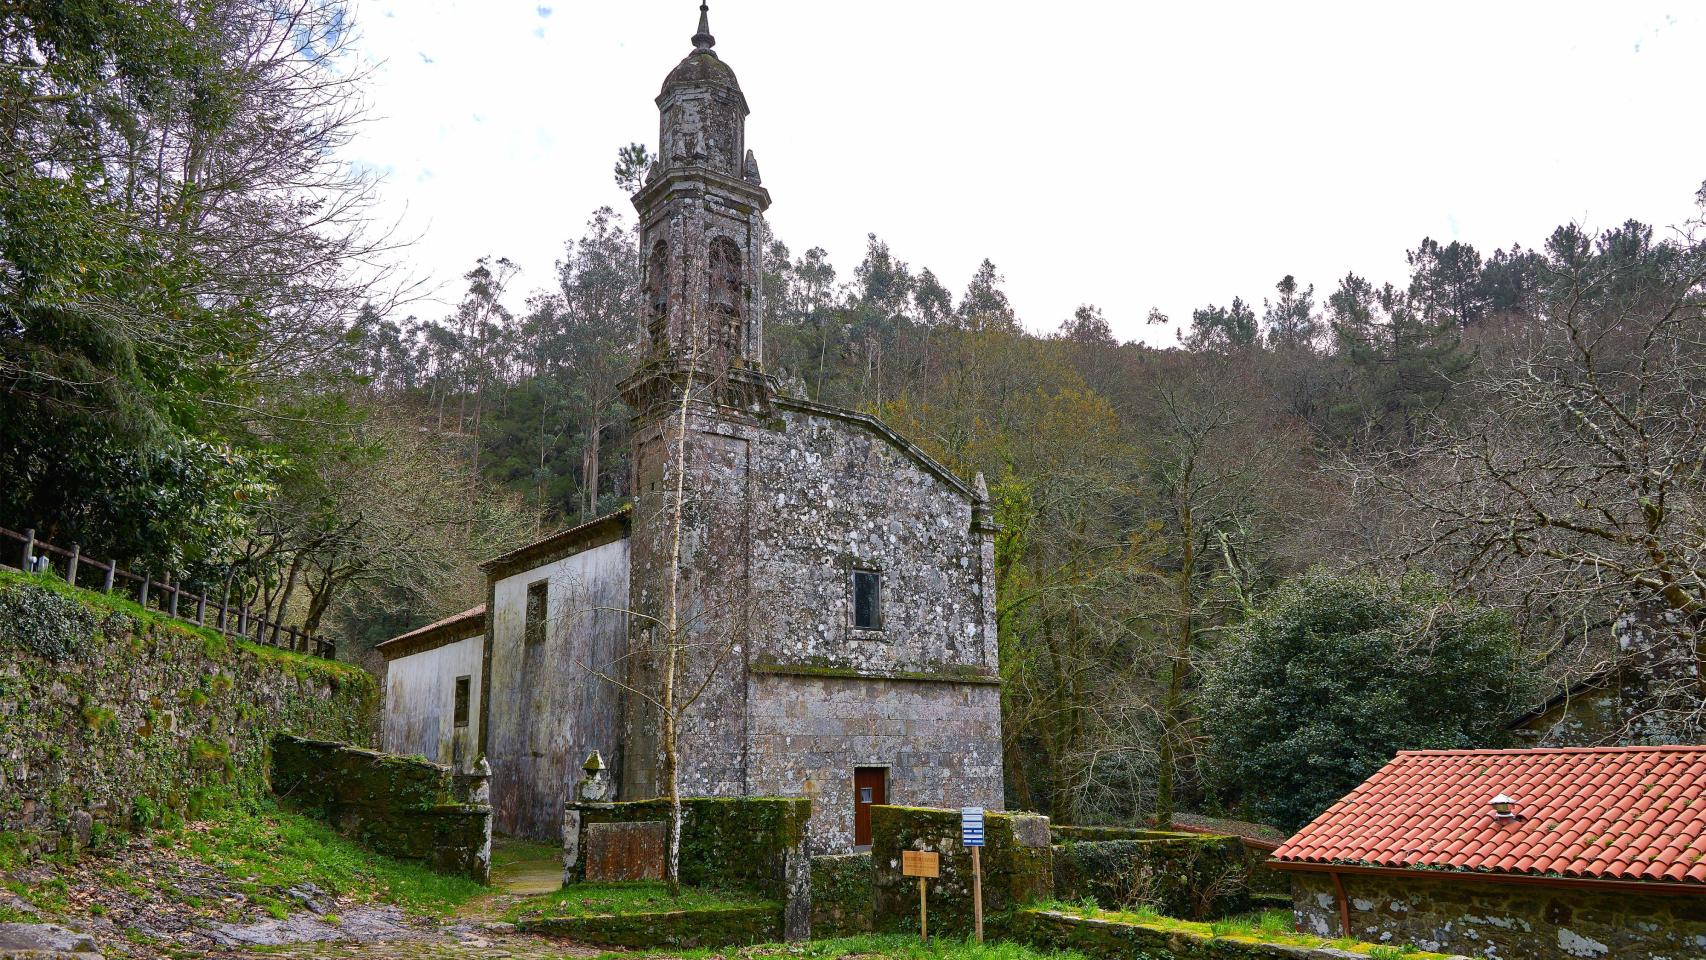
(210, 362)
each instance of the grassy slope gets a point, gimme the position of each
(265, 851)
(1271, 926)
(293, 661)
(612, 899)
(271, 847)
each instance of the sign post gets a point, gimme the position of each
(971, 835)
(924, 865)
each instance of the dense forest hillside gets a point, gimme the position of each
(210, 362)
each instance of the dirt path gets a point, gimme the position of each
(152, 901)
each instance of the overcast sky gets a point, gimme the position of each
(1129, 155)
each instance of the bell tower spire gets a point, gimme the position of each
(702, 238)
(703, 41)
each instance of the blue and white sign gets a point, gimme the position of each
(971, 826)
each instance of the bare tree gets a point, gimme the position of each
(1576, 489)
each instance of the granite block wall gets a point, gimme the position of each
(114, 719)
(938, 740)
(1509, 921)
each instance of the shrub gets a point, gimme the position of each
(1337, 673)
(40, 621)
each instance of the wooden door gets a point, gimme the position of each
(870, 787)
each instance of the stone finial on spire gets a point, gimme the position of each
(703, 41)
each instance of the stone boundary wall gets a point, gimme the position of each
(1512, 921)
(1017, 865)
(1061, 833)
(841, 895)
(403, 807)
(1114, 939)
(750, 843)
(1261, 878)
(676, 929)
(114, 719)
(1189, 876)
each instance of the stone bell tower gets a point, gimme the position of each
(700, 396)
(702, 238)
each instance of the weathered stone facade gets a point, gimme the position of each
(553, 699)
(932, 737)
(426, 715)
(1509, 921)
(753, 515)
(782, 501)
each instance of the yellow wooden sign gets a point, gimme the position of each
(920, 863)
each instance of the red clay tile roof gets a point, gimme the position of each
(473, 620)
(1613, 813)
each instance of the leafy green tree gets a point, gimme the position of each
(1290, 322)
(1226, 329)
(985, 305)
(1334, 674)
(1446, 282)
(1405, 364)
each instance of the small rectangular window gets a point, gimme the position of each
(462, 687)
(867, 600)
(538, 596)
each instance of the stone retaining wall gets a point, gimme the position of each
(402, 807)
(1017, 866)
(116, 719)
(1190, 876)
(1115, 939)
(841, 895)
(1511, 921)
(749, 843)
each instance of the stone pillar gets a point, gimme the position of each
(596, 790)
(474, 788)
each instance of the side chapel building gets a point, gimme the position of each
(836, 596)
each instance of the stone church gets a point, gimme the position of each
(824, 588)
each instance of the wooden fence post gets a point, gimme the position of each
(243, 622)
(146, 579)
(172, 605)
(107, 581)
(71, 569)
(276, 626)
(201, 609)
(29, 550)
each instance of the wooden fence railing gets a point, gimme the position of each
(165, 594)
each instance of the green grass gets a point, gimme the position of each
(508, 851)
(213, 642)
(614, 899)
(890, 947)
(269, 849)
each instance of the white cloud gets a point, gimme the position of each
(1126, 155)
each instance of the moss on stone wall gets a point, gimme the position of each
(403, 807)
(1517, 921)
(1062, 834)
(1017, 866)
(1126, 938)
(114, 717)
(841, 895)
(1191, 876)
(726, 842)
